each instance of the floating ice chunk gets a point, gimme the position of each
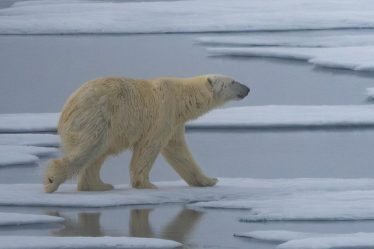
(300, 240)
(353, 58)
(303, 206)
(33, 150)
(286, 39)
(20, 154)
(250, 117)
(356, 240)
(44, 140)
(77, 17)
(259, 193)
(264, 117)
(7, 219)
(36, 242)
(28, 122)
(278, 235)
(16, 158)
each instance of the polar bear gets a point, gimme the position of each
(108, 115)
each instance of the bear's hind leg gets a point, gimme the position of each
(89, 177)
(73, 161)
(141, 164)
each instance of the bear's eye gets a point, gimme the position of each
(50, 180)
(232, 82)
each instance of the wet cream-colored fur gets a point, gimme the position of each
(108, 115)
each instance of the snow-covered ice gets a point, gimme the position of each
(21, 154)
(279, 235)
(302, 240)
(8, 219)
(81, 16)
(44, 242)
(255, 117)
(303, 206)
(33, 150)
(311, 39)
(265, 199)
(262, 117)
(353, 58)
(35, 139)
(28, 122)
(17, 158)
(355, 241)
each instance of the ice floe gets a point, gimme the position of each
(16, 158)
(28, 122)
(21, 154)
(353, 58)
(310, 39)
(80, 16)
(44, 242)
(35, 139)
(307, 206)
(249, 117)
(8, 219)
(264, 117)
(279, 235)
(265, 199)
(302, 240)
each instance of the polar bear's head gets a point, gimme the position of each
(226, 89)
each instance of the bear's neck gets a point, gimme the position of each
(196, 99)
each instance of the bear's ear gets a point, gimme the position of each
(210, 81)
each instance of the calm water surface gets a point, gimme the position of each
(37, 74)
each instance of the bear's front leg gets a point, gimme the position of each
(180, 158)
(141, 164)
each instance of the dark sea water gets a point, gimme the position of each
(38, 73)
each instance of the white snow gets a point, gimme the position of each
(250, 117)
(17, 158)
(265, 199)
(355, 241)
(353, 58)
(8, 219)
(28, 122)
(279, 235)
(310, 39)
(34, 150)
(262, 117)
(302, 240)
(44, 242)
(303, 206)
(20, 154)
(80, 16)
(35, 139)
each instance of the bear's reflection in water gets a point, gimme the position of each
(139, 225)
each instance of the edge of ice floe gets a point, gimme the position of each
(16, 219)
(47, 242)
